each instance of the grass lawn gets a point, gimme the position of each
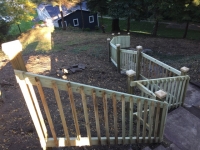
(145, 28)
(24, 26)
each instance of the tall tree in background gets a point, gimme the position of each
(80, 4)
(67, 3)
(100, 6)
(132, 9)
(186, 11)
(19, 10)
(157, 8)
(116, 10)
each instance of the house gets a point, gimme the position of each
(72, 16)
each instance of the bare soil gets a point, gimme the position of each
(17, 131)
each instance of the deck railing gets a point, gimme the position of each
(155, 74)
(145, 123)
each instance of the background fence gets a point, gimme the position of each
(155, 74)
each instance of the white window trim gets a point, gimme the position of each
(74, 22)
(91, 19)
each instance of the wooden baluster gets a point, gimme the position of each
(87, 123)
(73, 107)
(115, 117)
(106, 116)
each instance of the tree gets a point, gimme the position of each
(100, 6)
(116, 10)
(186, 11)
(80, 4)
(67, 3)
(17, 11)
(157, 8)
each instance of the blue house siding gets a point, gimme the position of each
(77, 15)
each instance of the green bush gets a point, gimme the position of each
(4, 28)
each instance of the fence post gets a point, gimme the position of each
(13, 51)
(109, 51)
(130, 74)
(118, 58)
(184, 71)
(160, 95)
(139, 49)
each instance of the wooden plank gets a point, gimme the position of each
(31, 108)
(182, 91)
(175, 92)
(131, 120)
(138, 119)
(59, 103)
(105, 106)
(151, 120)
(85, 109)
(171, 92)
(46, 82)
(96, 112)
(85, 142)
(47, 112)
(145, 90)
(37, 107)
(73, 107)
(163, 121)
(128, 51)
(145, 120)
(157, 121)
(115, 117)
(162, 64)
(179, 92)
(123, 118)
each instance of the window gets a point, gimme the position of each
(91, 19)
(64, 22)
(75, 21)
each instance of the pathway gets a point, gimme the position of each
(182, 127)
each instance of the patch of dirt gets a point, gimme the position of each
(17, 131)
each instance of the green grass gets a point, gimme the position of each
(145, 28)
(24, 26)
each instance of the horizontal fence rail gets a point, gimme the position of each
(152, 68)
(78, 114)
(175, 87)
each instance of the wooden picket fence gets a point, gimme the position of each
(72, 114)
(155, 74)
(145, 123)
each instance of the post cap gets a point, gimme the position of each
(128, 33)
(117, 45)
(160, 94)
(108, 39)
(185, 69)
(139, 47)
(113, 34)
(130, 73)
(12, 48)
(118, 33)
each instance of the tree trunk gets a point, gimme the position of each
(83, 24)
(61, 13)
(128, 24)
(19, 28)
(186, 29)
(101, 19)
(155, 28)
(115, 25)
